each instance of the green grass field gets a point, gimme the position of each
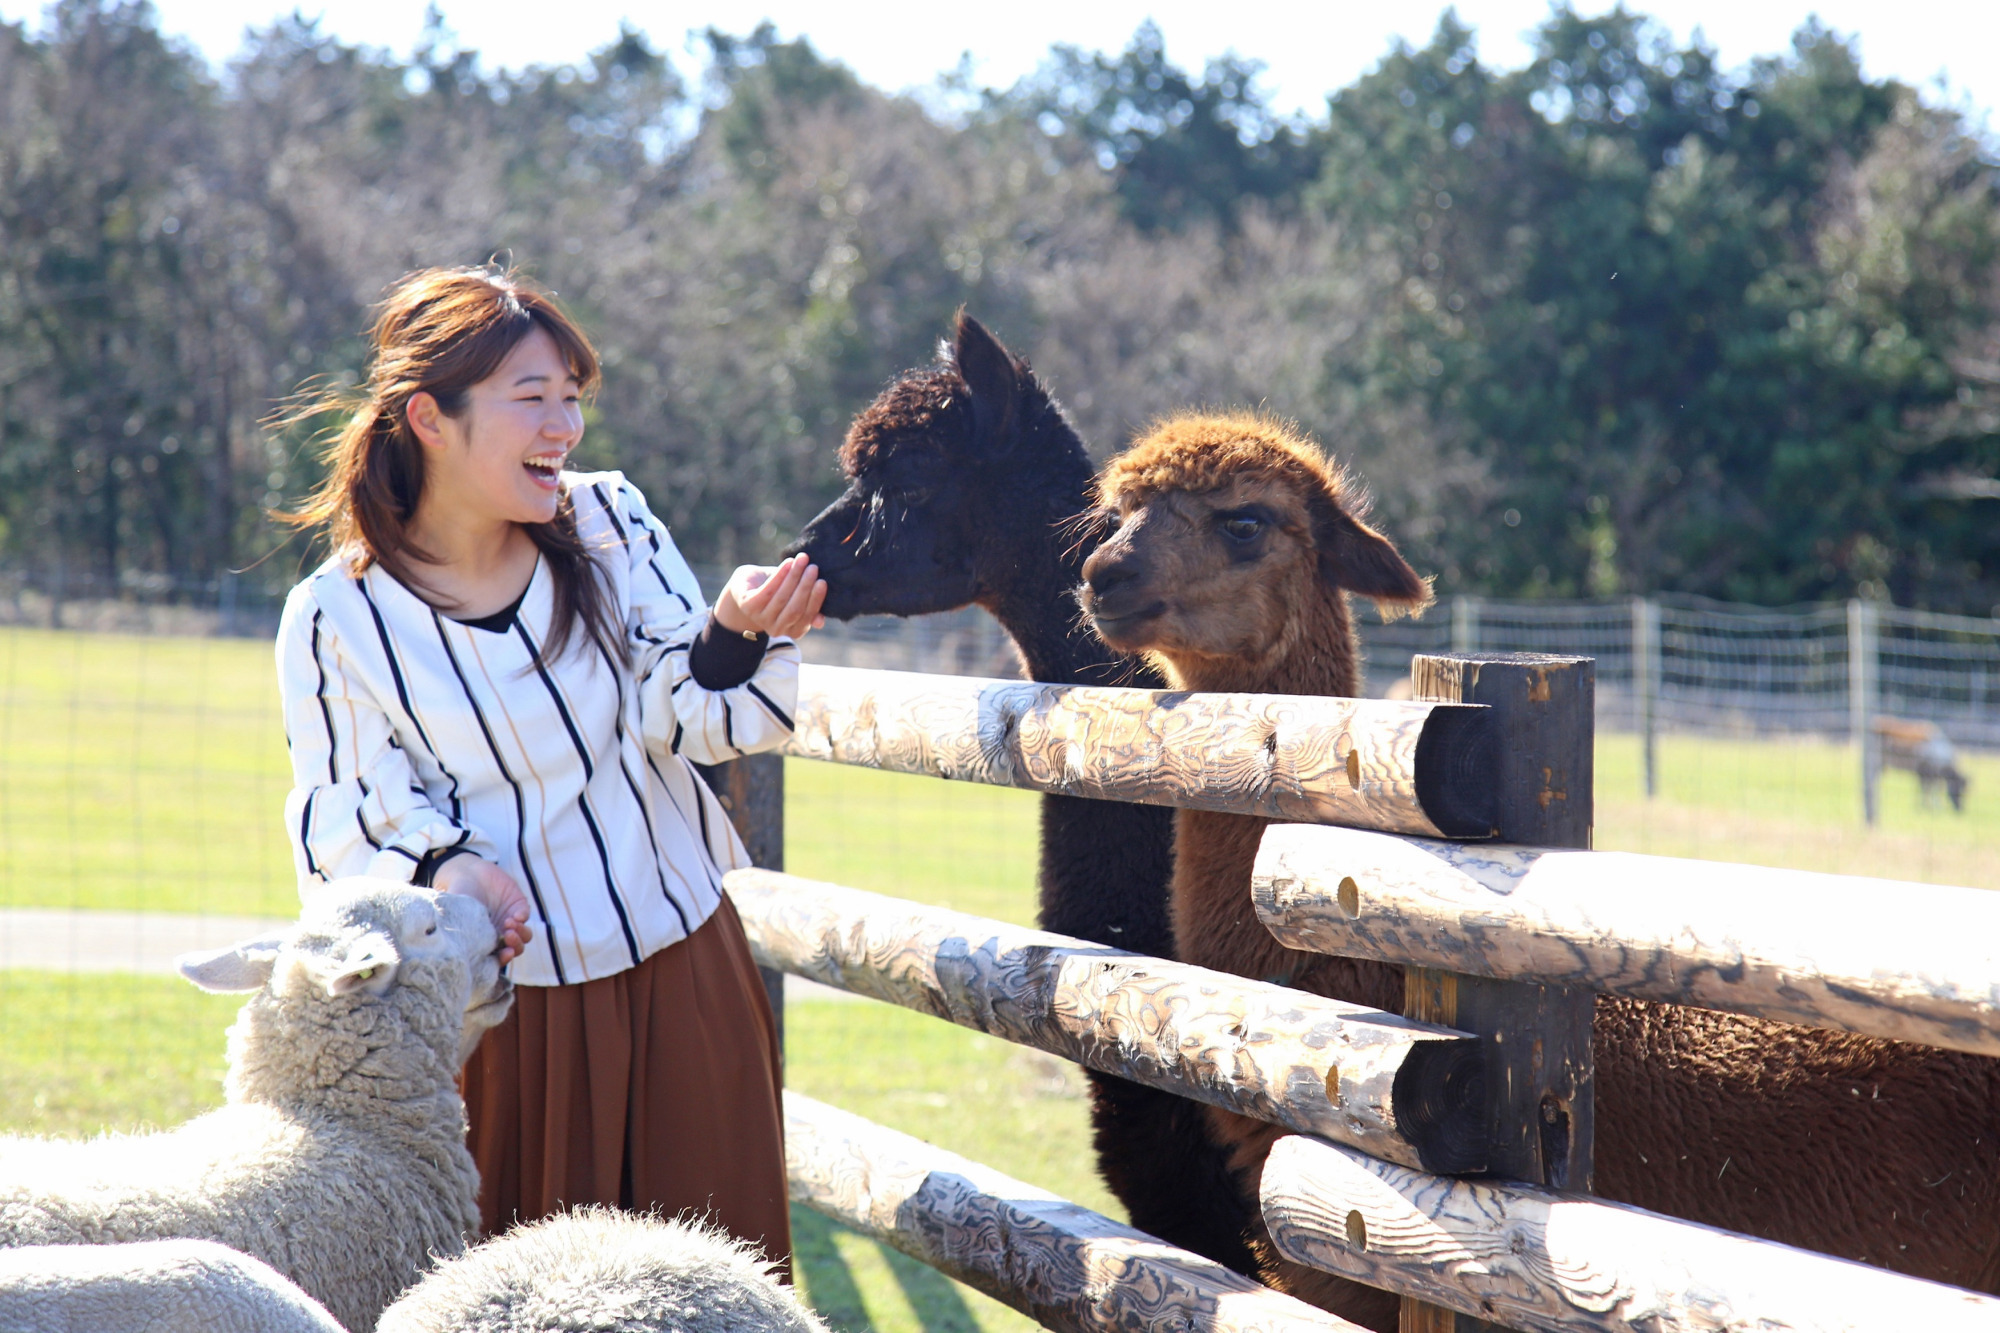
(150, 773)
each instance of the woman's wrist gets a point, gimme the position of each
(434, 861)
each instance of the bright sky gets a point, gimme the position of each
(1308, 49)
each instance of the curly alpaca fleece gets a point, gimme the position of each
(340, 1158)
(604, 1271)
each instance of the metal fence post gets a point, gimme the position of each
(1863, 649)
(1537, 1038)
(1464, 624)
(752, 790)
(1646, 683)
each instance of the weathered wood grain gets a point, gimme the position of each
(1407, 768)
(1535, 1039)
(1908, 962)
(1402, 1090)
(1064, 1266)
(1536, 1259)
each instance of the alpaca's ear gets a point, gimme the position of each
(993, 378)
(1355, 557)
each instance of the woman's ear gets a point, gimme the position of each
(426, 420)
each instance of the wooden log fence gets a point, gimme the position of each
(1409, 768)
(1530, 1258)
(1831, 951)
(1408, 1092)
(1062, 1265)
(1505, 945)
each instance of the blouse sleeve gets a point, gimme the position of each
(709, 723)
(356, 807)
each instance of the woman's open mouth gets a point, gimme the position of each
(546, 470)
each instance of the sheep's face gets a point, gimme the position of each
(371, 944)
(1230, 528)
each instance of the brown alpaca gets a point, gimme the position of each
(1231, 567)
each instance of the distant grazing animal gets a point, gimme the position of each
(339, 1158)
(1923, 749)
(967, 485)
(1235, 551)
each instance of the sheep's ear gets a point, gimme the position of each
(1355, 557)
(369, 962)
(993, 377)
(240, 967)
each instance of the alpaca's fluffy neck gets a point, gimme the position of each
(1317, 654)
(1038, 567)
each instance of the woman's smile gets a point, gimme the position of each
(546, 469)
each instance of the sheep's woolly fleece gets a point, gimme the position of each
(161, 1286)
(340, 1159)
(597, 1270)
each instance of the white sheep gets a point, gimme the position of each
(340, 1158)
(608, 1272)
(161, 1286)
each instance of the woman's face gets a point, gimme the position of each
(502, 456)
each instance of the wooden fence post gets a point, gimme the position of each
(1863, 650)
(1538, 1062)
(752, 790)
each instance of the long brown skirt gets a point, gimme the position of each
(658, 1087)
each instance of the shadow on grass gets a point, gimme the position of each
(833, 1290)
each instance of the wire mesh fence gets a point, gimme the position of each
(1683, 664)
(1692, 665)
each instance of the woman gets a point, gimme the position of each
(495, 686)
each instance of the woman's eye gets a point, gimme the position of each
(1242, 527)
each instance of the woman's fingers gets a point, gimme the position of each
(802, 611)
(496, 891)
(785, 603)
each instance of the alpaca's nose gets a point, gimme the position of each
(1106, 575)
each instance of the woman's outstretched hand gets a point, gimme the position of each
(783, 601)
(495, 890)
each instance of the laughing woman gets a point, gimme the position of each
(495, 686)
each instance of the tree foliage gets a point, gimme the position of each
(1618, 321)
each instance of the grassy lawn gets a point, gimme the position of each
(149, 773)
(142, 772)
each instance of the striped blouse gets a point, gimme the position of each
(413, 733)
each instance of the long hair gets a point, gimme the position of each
(440, 331)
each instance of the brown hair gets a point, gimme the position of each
(440, 331)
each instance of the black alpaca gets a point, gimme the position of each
(966, 485)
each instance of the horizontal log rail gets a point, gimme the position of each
(1907, 962)
(1528, 1258)
(1399, 1089)
(1062, 1265)
(1421, 768)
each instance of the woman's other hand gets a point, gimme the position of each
(784, 601)
(495, 890)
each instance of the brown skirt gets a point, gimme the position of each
(654, 1088)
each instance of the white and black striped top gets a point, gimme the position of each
(412, 733)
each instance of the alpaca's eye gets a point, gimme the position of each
(1242, 527)
(433, 930)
